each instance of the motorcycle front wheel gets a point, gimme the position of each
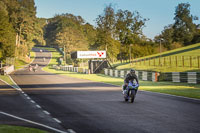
(132, 95)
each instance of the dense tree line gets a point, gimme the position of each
(70, 33)
(20, 30)
(183, 31)
(120, 33)
(117, 32)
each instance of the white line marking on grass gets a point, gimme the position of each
(46, 112)
(17, 87)
(32, 122)
(5, 82)
(57, 120)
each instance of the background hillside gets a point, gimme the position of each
(178, 60)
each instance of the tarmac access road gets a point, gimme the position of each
(84, 106)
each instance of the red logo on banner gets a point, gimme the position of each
(100, 53)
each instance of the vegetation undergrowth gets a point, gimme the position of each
(20, 63)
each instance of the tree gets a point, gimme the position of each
(22, 15)
(129, 29)
(90, 33)
(166, 36)
(7, 35)
(68, 32)
(184, 28)
(105, 26)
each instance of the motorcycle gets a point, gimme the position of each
(130, 92)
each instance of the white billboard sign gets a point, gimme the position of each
(91, 54)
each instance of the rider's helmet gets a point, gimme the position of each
(132, 71)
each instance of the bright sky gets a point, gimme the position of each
(160, 12)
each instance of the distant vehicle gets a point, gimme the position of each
(130, 92)
(30, 68)
(35, 68)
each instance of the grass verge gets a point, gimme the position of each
(179, 89)
(18, 129)
(20, 63)
(6, 79)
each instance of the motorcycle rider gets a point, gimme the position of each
(131, 76)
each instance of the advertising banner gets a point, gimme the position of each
(91, 54)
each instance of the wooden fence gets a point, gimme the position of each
(170, 61)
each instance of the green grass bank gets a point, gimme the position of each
(18, 129)
(179, 89)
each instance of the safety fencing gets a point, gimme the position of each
(187, 77)
(142, 75)
(71, 69)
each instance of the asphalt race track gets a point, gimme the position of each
(82, 106)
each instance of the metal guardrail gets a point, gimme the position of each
(186, 77)
(71, 69)
(142, 75)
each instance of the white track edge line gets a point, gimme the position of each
(46, 112)
(57, 120)
(29, 121)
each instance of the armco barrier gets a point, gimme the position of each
(192, 77)
(188, 77)
(142, 75)
(71, 69)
